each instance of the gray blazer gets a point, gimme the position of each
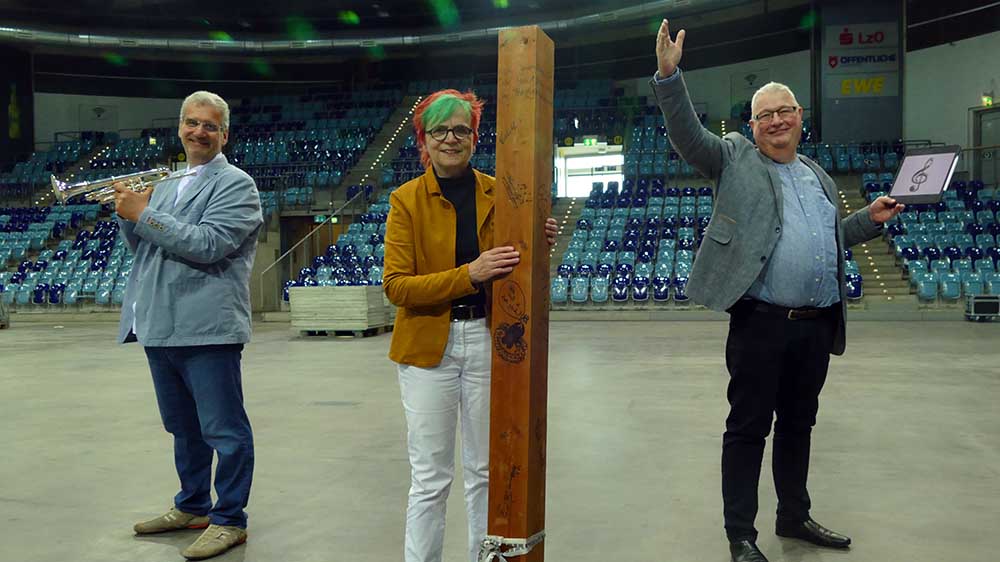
(746, 220)
(190, 282)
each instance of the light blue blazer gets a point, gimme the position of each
(190, 282)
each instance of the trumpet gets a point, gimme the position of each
(103, 191)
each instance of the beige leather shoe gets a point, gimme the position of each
(173, 520)
(214, 541)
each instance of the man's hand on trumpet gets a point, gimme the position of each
(130, 204)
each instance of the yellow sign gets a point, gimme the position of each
(568, 141)
(862, 86)
(618, 139)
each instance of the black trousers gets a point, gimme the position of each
(776, 366)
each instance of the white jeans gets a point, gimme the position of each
(432, 399)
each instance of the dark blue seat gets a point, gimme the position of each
(56, 292)
(953, 253)
(992, 252)
(640, 289)
(40, 293)
(564, 270)
(680, 289)
(661, 289)
(853, 286)
(306, 273)
(620, 289)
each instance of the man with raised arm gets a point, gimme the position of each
(773, 257)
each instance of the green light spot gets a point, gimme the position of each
(299, 28)
(220, 36)
(261, 67)
(446, 12)
(502, 4)
(654, 25)
(808, 21)
(376, 53)
(349, 17)
(115, 59)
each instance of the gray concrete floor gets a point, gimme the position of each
(906, 455)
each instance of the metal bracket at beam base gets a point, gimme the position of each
(492, 548)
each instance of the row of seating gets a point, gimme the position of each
(93, 266)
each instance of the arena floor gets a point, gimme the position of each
(906, 455)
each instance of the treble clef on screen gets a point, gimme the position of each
(920, 177)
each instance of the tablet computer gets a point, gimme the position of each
(924, 174)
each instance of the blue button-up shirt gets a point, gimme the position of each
(802, 270)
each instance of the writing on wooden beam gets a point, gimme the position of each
(520, 312)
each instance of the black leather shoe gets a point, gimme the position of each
(813, 532)
(746, 551)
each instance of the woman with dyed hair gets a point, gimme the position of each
(439, 265)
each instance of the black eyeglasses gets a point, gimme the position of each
(207, 125)
(440, 133)
(783, 112)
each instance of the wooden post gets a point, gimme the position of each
(520, 313)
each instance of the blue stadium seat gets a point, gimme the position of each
(927, 286)
(853, 286)
(661, 288)
(680, 289)
(599, 289)
(950, 286)
(972, 283)
(992, 283)
(620, 289)
(580, 289)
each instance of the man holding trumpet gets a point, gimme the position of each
(187, 303)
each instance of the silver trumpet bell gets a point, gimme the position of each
(103, 191)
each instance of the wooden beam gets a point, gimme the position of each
(520, 313)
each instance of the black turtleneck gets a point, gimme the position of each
(461, 193)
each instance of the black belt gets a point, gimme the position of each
(467, 312)
(804, 313)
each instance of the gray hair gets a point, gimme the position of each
(202, 97)
(766, 89)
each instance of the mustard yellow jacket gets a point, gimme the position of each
(420, 276)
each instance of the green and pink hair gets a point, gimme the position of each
(438, 108)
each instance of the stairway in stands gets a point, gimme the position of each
(566, 211)
(883, 278)
(383, 147)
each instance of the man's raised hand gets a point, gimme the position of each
(668, 52)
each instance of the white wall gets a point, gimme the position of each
(941, 83)
(712, 89)
(65, 112)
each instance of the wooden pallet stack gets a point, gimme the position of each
(339, 309)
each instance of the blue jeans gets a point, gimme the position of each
(200, 395)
